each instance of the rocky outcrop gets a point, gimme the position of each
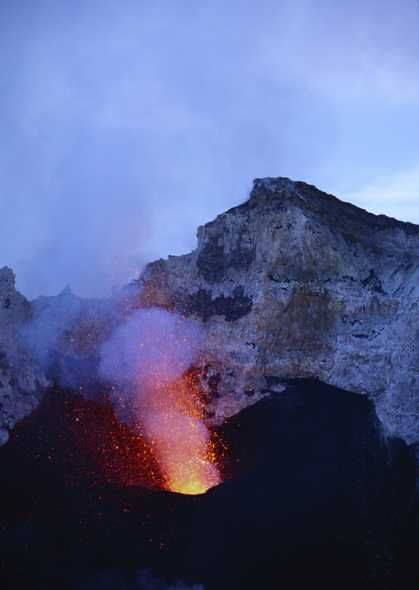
(292, 288)
(292, 283)
(296, 283)
(21, 380)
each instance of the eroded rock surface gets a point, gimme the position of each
(296, 283)
(292, 283)
(21, 380)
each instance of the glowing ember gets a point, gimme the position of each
(173, 421)
(149, 359)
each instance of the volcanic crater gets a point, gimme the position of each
(242, 416)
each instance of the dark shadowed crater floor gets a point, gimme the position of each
(314, 496)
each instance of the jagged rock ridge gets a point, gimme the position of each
(21, 381)
(291, 283)
(296, 283)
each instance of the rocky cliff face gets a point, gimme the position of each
(295, 283)
(21, 380)
(292, 283)
(289, 286)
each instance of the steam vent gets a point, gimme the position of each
(244, 416)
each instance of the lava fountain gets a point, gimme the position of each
(173, 420)
(149, 358)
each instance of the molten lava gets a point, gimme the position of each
(173, 420)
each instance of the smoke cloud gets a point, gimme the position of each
(153, 346)
(126, 125)
(63, 335)
(43, 334)
(145, 361)
(147, 358)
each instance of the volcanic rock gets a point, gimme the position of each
(318, 496)
(291, 283)
(314, 495)
(296, 283)
(22, 382)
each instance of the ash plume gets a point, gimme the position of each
(64, 332)
(143, 359)
(153, 345)
(147, 359)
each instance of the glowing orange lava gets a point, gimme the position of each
(173, 419)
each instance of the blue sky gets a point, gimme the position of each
(127, 124)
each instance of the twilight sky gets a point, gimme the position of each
(127, 123)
